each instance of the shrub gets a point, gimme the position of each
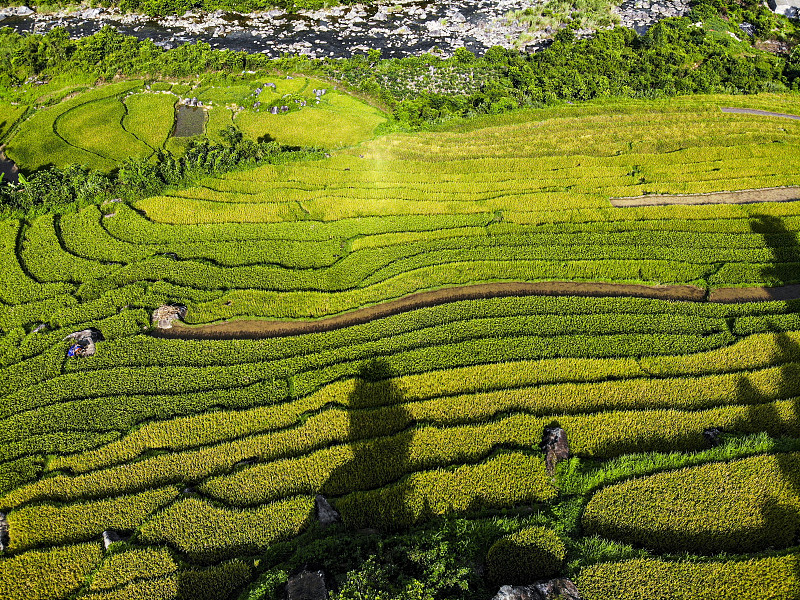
(525, 556)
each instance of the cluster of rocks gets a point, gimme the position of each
(83, 342)
(192, 102)
(790, 8)
(554, 589)
(398, 29)
(15, 11)
(165, 314)
(641, 14)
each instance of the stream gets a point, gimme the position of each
(399, 29)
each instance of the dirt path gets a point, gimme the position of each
(255, 329)
(761, 113)
(777, 194)
(754, 294)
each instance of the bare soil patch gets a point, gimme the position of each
(777, 194)
(754, 294)
(762, 113)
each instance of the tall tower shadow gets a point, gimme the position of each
(381, 434)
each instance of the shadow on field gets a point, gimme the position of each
(380, 454)
(764, 414)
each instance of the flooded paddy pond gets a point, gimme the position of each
(189, 121)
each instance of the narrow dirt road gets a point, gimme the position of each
(255, 329)
(777, 194)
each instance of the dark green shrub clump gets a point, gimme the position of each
(526, 556)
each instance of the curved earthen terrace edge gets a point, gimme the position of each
(256, 329)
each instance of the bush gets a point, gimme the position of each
(526, 556)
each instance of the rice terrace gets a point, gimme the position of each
(348, 329)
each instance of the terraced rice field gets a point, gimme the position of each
(105, 125)
(208, 453)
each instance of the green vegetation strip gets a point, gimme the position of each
(773, 577)
(740, 506)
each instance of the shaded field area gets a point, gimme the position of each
(435, 265)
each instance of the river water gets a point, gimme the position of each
(398, 29)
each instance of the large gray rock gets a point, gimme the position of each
(711, 435)
(790, 8)
(517, 592)
(110, 536)
(553, 589)
(15, 11)
(307, 585)
(560, 588)
(326, 514)
(555, 446)
(83, 342)
(3, 532)
(165, 314)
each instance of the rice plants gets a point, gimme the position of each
(48, 574)
(213, 450)
(672, 510)
(149, 117)
(97, 128)
(775, 577)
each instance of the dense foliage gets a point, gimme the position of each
(529, 555)
(673, 57)
(55, 189)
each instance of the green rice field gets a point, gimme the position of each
(206, 455)
(102, 126)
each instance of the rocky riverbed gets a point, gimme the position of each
(397, 29)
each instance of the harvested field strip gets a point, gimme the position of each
(790, 194)
(761, 113)
(445, 324)
(258, 329)
(251, 328)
